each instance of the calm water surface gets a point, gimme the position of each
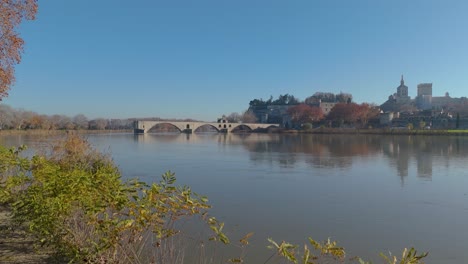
(370, 193)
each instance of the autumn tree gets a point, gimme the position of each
(341, 113)
(304, 113)
(12, 12)
(352, 113)
(345, 113)
(35, 121)
(365, 112)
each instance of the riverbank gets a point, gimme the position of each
(17, 245)
(377, 131)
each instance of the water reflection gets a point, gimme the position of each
(425, 151)
(403, 153)
(339, 151)
(320, 151)
(334, 151)
(159, 137)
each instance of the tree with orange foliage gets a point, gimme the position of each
(342, 113)
(303, 113)
(352, 113)
(367, 112)
(12, 12)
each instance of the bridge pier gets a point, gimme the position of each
(138, 131)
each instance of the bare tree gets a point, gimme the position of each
(234, 117)
(98, 124)
(6, 117)
(66, 123)
(80, 121)
(249, 117)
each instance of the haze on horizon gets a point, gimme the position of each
(182, 59)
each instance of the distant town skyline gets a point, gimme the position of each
(181, 59)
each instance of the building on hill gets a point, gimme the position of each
(424, 89)
(442, 102)
(438, 111)
(326, 107)
(402, 90)
(402, 102)
(424, 98)
(399, 101)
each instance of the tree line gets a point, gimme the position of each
(11, 118)
(19, 119)
(288, 99)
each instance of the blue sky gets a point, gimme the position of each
(201, 59)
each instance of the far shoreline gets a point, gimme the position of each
(378, 131)
(50, 132)
(317, 131)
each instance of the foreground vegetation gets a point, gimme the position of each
(74, 202)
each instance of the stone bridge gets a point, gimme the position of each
(142, 126)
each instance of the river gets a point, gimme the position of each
(371, 193)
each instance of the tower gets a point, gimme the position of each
(425, 89)
(424, 98)
(402, 90)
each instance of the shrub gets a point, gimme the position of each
(329, 252)
(306, 126)
(75, 201)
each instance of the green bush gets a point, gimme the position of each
(75, 201)
(307, 126)
(329, 252)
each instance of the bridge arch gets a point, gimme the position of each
(241, 128)
(272, 126)
(165, 126)
(201, 127)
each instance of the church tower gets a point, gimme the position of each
(402, 90)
